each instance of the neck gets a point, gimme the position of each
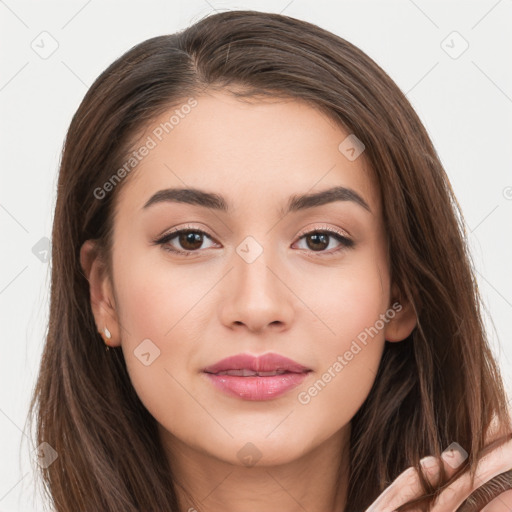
(317, 481)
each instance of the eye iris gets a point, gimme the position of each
(188, 239)
(318, 237)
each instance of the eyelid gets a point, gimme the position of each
(187, 227)
(324, 227)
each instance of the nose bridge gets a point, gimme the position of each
(253, 259)
(257, 295)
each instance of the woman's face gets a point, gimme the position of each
(255, 277)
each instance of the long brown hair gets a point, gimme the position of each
(438, 386)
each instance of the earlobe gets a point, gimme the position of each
(402, 323)
(101, 294)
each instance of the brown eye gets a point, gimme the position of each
(183, 241)
(190, 240)
(319, 241)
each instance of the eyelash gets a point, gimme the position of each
(346, 243)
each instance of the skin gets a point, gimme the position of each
(306, 304)
(407, 485)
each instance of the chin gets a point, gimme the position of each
(253, 448)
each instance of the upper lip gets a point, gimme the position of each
(264, 363)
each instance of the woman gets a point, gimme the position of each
(253, 218)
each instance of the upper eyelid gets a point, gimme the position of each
(301, 234)
(339, 231)
(184, 228)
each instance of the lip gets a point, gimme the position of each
(265, 363)
(256, 387)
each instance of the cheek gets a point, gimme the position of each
(155, 300)
(347, 303)
(163, 324)
(349, 340)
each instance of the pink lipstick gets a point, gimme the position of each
(256, 378)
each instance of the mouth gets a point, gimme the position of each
(249, 373)
(256, 378)
(262, 364)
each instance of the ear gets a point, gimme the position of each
(404, 320)
(101, 293)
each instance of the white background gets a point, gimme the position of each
(465, 104)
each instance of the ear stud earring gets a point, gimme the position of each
(106, 334)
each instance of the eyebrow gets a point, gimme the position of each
(198, 197)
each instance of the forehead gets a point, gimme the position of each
(248, 150)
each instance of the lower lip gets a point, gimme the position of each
(257, 388)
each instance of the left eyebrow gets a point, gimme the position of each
(295, 203)
(301, 202)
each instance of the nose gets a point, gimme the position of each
(257, 295)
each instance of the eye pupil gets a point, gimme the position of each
(321, 238)
(191, 237)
